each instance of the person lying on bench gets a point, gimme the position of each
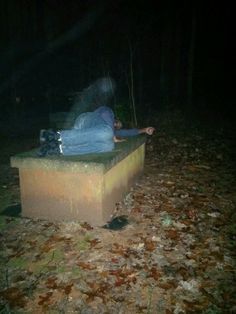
(93, 132)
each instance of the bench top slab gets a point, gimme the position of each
(89, 163)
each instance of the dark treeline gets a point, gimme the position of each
(162, 55)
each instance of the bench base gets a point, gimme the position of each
(87, 193)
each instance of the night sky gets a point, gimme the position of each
(53, 48)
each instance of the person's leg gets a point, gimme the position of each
(90, 140)
(90, 134)
(85, 120)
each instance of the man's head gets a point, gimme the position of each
(117, 124)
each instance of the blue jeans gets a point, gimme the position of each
(90, 134)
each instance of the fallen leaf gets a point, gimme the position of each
(94, 242)
(150, 245)
(154, 273)
(172, 234)
(45, 298)
(86, 226)
(87, 266)
(67, 289)
(51, 283)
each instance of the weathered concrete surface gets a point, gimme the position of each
(84, 188)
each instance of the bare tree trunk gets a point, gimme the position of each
(191, 60)
(131, 86)
(140, 83)
(166, 38)
(177, 63)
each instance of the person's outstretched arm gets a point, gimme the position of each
(132, 132)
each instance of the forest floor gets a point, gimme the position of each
(176, 254)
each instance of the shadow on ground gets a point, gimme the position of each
(12, 211)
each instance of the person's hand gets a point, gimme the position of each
(149, 130)
(118, 140)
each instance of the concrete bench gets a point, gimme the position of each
(78, 188)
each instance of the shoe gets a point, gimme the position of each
(52, 148)
(48, 136)
(50, 143)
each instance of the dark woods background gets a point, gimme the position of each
(164, 56)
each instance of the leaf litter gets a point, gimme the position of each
(174, 253)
